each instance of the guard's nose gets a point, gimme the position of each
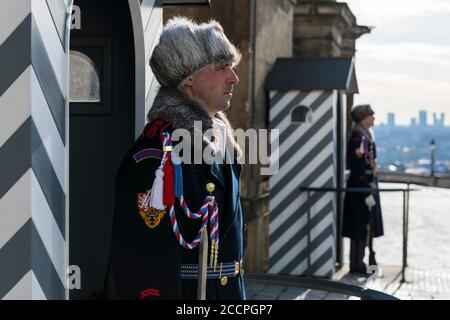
(233, 79)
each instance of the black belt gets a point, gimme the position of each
(225, 269)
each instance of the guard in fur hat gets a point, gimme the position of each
(362, 211)
(164, 197)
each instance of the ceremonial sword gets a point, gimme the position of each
(202, 265)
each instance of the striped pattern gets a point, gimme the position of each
(34, 42)
(33, 149)
(147, 18)
(307, 159)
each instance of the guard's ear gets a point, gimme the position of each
(189, 82)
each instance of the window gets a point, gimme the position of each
(90, 75)
(84, 78)
(301, 114)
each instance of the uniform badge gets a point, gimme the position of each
(151, 216)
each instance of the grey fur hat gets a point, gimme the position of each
(186, 47)
(359, 113)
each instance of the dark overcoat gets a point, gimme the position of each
(356, 212)
(145, 262)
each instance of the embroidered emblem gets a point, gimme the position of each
(151, 216)
(148, 153)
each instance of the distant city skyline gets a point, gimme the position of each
(404, 118)
(403, 65)
(422, 118)
(408, 149)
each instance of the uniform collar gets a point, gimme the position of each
(365, 132)
(181, 112)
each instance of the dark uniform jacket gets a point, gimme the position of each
(145, 262)
(356, 212)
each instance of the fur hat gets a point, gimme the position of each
(186, 47)
(359, 113)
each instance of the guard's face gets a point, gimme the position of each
(214, 86)
(369, 121)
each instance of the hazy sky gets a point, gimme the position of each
(403, 65)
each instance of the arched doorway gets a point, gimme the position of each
(102, 128)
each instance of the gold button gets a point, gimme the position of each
(224, 281)
(210, 187)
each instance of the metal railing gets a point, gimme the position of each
(405, 191)
(319, 284)
(405, 178)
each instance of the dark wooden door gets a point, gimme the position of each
(101, 130)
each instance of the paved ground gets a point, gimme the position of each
(428, 272)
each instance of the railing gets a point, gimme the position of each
(405, 191)
(319, 284)
(401, 177)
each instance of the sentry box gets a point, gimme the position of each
(308, 103)
(75, 86)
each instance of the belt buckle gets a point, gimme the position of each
(238, 268)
